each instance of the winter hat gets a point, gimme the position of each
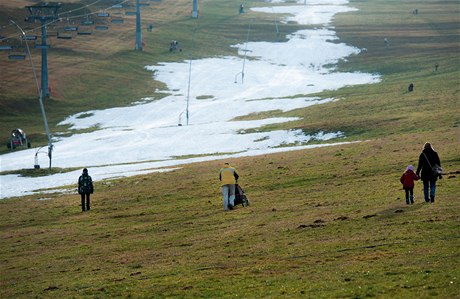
(410, 167)
(85, 170)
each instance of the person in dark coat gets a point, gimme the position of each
(410, 88)
(426, 161)
(85, 188)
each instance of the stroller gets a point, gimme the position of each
(240, 197)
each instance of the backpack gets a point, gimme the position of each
(85, 184)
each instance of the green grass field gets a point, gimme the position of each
(327, 222)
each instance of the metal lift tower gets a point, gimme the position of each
(45, 13)
(195, 9)
(138, 27)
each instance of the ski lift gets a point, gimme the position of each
(118, 8)
(87, 23)
(6, 48)
(17, 56)
(130, 13)
(17, 53)
(84, 32)
(117, 21)
(144, 4)
(29, 37)
(101, 27)
(62, 35)
(71, 28)
(42, 46)
(103, 14)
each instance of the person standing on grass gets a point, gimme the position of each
(426, 161)
(85, 188)
(407, 180)
(228, 178)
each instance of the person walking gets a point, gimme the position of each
(85, 188)
(427, 161)
(407, 180)
(228, 178)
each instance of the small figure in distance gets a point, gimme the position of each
(407, 180)
(386, 42)
(410, 88)
(85, 188)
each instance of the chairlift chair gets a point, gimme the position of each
(62, 35)
(38, 46)
(17, 56)
(101, 27)
(130, 13)
(29, 37)
(5, 48)
(84, 32)
(117, 21)
(103, 14)
(71, 28)
(87, 23)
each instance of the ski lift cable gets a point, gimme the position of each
(92, 13)
(65, 12)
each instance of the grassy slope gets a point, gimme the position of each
(326, 222)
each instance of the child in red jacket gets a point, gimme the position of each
(407, 180)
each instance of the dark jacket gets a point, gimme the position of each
(85, 184)
(427, 159)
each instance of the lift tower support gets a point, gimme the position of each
(45, 13)
(195, 9)
(138, 27)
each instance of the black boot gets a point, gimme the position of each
(432, 198)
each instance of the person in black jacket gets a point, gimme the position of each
(85, 188)
(426, 161)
